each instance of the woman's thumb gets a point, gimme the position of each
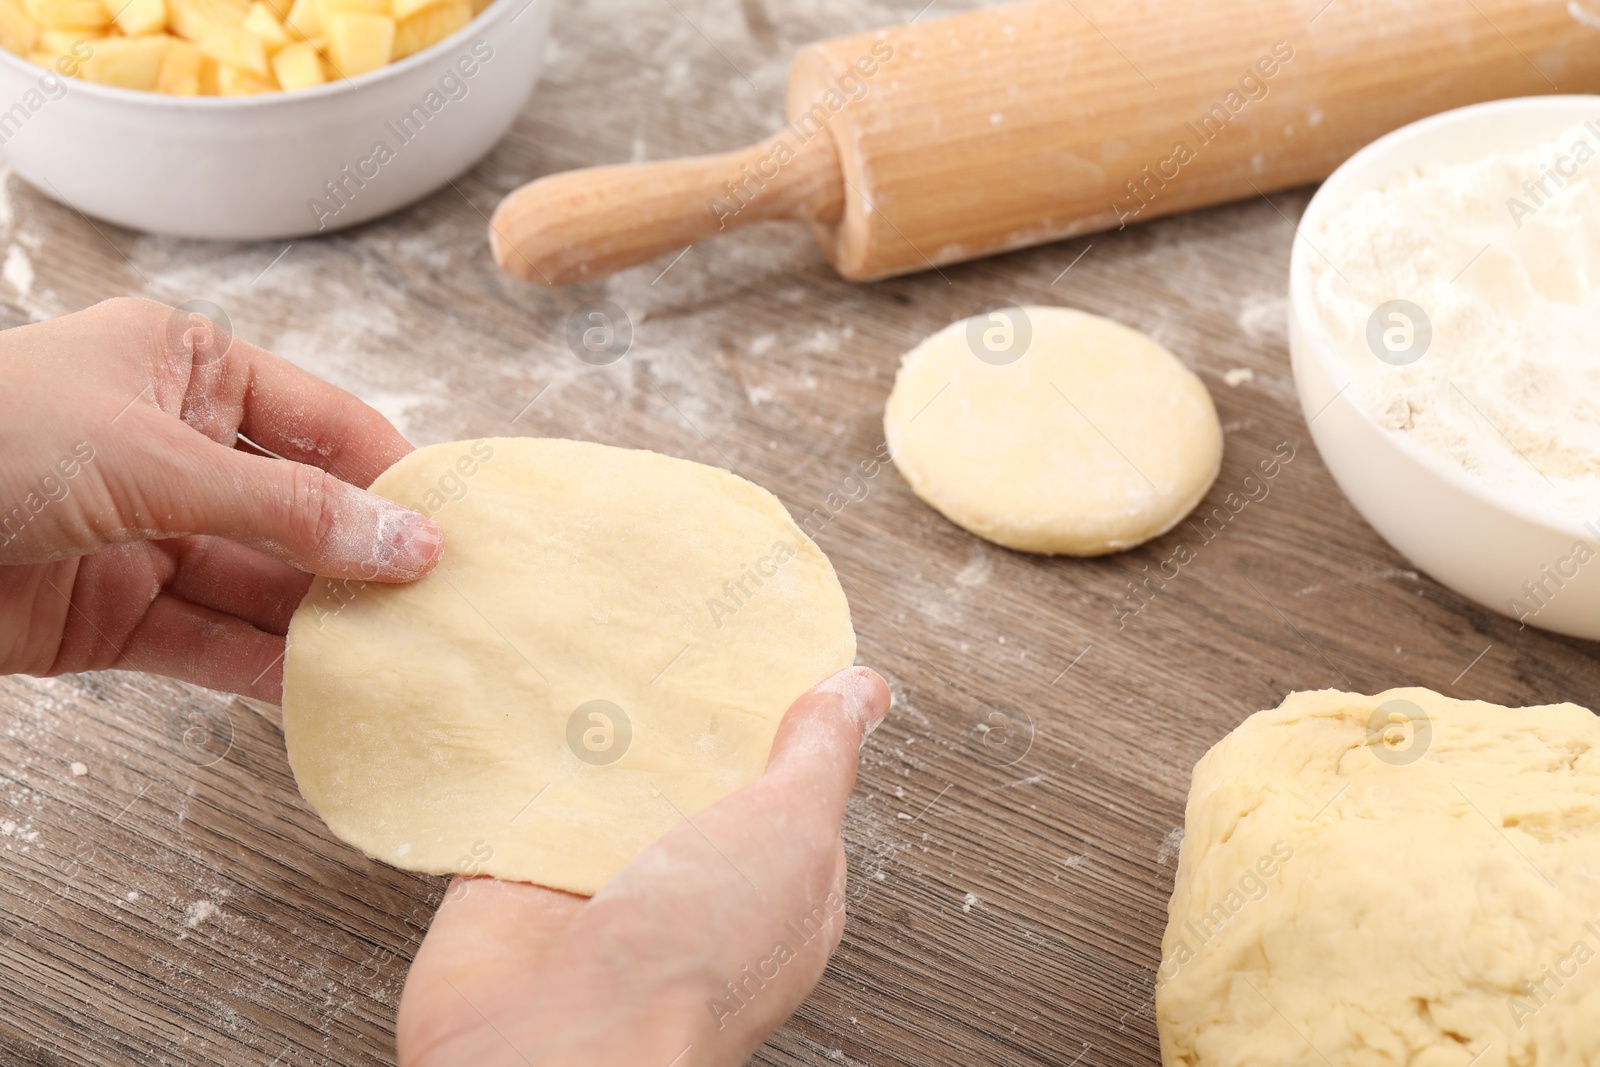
(298, 513)
(823, 731)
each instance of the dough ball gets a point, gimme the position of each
(1400, 880)
(606, 648)
(1049, 430)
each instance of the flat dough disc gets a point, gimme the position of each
(1050, 430)
(450, 725)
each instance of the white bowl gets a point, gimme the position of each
(255, 167)
(1481, 543)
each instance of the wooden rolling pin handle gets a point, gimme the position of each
(577, 225)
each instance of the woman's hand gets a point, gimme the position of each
(138, 532)
(696, 951)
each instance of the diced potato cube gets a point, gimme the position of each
(358, 7)
(61, 42)
(65, 50)
(137, 18)
(298, 66)
(70, 14)
(304, 19)
(237, 81)
(430, 26)
(199, 19)
(280, 8)
(358, 43)
(126, 62)
(64, 56)
(210, 75)
(18, 34)
(404, 9)
(180, 69)
(264, 24)
(237, 47)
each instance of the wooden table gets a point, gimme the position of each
(176, 902)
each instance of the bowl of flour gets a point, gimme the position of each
(1445, 338)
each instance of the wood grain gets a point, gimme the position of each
(946, 139)
(1032, 122)
(1007, 901)
(582, 225)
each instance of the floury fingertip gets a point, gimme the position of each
(863, 695)
(408, 544)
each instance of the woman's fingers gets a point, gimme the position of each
(216, 573)
(146, 451)
(102, 627)
(311, 509)
(818, 739)
(187, 641)
(224, 386)
(173, 482)
(303, 418)
(202, 609)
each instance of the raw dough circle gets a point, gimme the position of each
(1393, 879)
(1050, 430)
(606, 649)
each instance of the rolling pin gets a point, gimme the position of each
(949, 139)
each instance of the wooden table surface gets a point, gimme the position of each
(176, 902)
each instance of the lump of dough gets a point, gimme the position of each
(605, 650)
(1050, 430)
(1400, 880)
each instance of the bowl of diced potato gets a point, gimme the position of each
(254, 119)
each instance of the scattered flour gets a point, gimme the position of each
(18, 266)
(18, 270)
(1264, 315)
(1238, 376)
(977, 570)
(79, 769)
(22, 832)
(199, 912)
(1170, 846)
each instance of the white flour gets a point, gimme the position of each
(1502, 256)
